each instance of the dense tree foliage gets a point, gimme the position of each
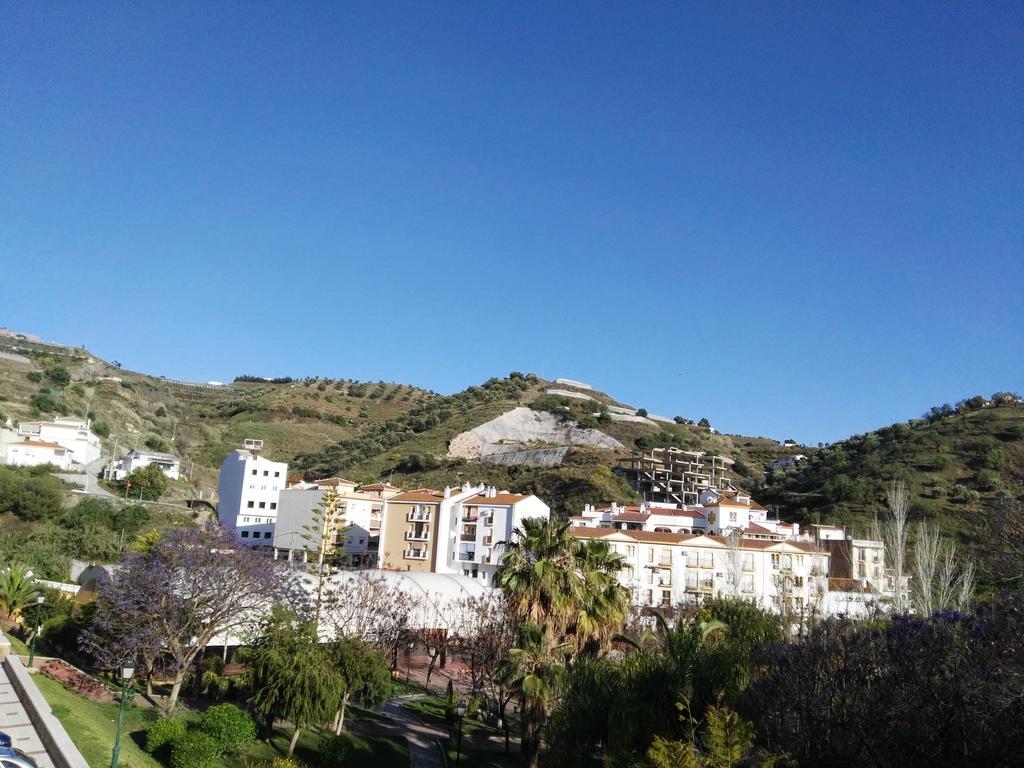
(948, 691)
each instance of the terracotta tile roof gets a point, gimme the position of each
(658, 537)
(840, 584)
(694, 513)
(498, 499)
(41, 444)
(334, 481)
(421, 495)
(379, 487)
(630, 517)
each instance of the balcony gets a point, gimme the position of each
(415, 554)
(467, 537)
(664, 581)
(465, 556)
(470, 518)
(418, 517)
(417, 535)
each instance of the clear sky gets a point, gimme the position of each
(795, 219)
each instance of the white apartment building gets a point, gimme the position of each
(481, 524)
(666, 569)
(167, 463)
(70, 432)
(821, 569)
(248, 495)
(455, 531)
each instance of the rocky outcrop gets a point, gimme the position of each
(524, 427)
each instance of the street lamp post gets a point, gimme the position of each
(460, 710)
(40, 599)
(127, 672)
(408, 653)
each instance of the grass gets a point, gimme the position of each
(91, 726)
(366, 751)
(431, 711)
(476, 758)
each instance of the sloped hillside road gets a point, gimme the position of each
(87, 480)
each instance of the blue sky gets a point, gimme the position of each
(795, 219)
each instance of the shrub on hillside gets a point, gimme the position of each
(195, 749)
(58, 375)
(101, 428)
(155, 443)
(162, 732)
(34, 376)
(229, 726)
(44, 402)
(147, 483)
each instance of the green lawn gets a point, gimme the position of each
(431, 711)
(483, 758)
(17, 647)
(367, 751)
(91, 726)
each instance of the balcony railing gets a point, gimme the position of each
(415, 554)
(465, 556)
(417, 535)
(467, 537)
(418, 517)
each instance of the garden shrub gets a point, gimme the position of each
(195, 749)
(163, 731)
(229, 726)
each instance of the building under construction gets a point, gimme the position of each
(675, 476)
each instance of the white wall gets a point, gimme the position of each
(248, 491)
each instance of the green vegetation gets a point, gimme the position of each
(91, 726)
(958, 463)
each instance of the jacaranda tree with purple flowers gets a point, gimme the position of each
(194, 587)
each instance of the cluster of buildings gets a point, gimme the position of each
(727, 544)
(719, 542)
(456, 531)
(65, 442)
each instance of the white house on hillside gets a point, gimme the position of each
(32, 453)
(70, 432)
(167, 463)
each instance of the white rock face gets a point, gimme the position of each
(524, 425)
(571, 383)
(567, 393)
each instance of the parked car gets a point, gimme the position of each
(12, 757)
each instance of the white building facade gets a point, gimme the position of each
(168, 464)
(34, 453)
(72, 433)
(248, 496)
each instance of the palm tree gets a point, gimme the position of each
(17, 591)
(536, 670)
(565, 594)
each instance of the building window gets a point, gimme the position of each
(266, 534)
(798, 582)
(254, 471)
(263, 505)
(251, 504)
(245, 534)
(266, 473)
(273, 505)
(277, 474)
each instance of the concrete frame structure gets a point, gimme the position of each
(675, 476)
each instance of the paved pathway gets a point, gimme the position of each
(424, 751)
(88, 479)
(15, 723)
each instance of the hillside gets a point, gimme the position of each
(957, 461)
(959, 464)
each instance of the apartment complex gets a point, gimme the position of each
(675, 476)
(454, 531)
(248, 495)
(729, 545)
